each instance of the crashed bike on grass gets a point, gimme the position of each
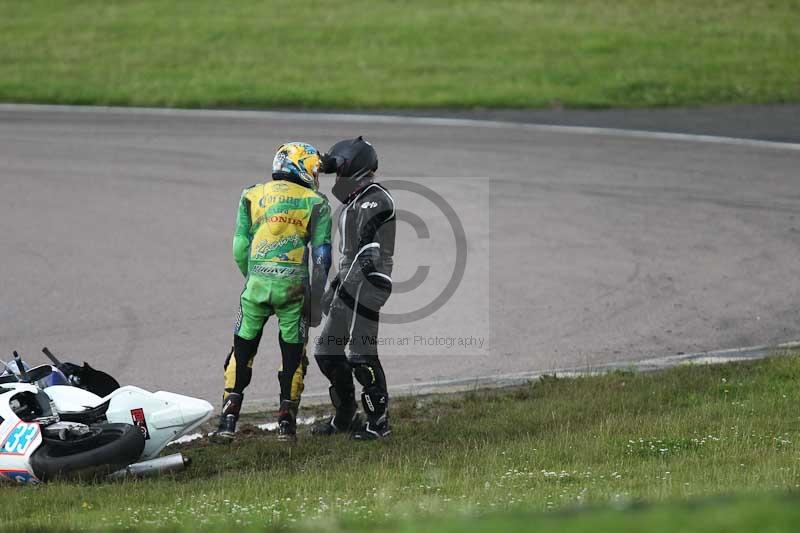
(62, 419)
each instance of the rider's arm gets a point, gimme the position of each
(320, 249)
(371, 214)
(321, 257)
(241, 237)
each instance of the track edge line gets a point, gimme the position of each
(407, 120)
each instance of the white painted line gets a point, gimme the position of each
(404, 121)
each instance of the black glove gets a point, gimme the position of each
(327, 298)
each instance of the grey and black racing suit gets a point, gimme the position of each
(357, 293)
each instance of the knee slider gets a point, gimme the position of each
(368, 370)
(365, 374)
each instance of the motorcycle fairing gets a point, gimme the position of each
(164, 416)
(18, 439)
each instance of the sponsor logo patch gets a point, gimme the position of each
(265, 247)
(275, 270)
(139, 421)
(283, 219)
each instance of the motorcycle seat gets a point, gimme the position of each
(90, 415)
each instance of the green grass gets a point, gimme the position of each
(773, 514)
(557, 445)
(410, 53)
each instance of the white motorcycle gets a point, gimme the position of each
(54, 424)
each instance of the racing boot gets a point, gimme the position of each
(228, 418)
(338, 424)
(346, 419)
(287, 421)
(376, 404)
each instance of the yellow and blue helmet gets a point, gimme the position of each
(298, 162)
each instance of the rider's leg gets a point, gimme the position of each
(239, 363)
(330, 356)
(374, 395)
(367, 368)
(292, 339)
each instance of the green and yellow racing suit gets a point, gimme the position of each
(276, 223)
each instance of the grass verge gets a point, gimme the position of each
(414, 53)
(555, 445)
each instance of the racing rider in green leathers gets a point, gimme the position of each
(277, 223)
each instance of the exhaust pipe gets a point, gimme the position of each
(160, 465)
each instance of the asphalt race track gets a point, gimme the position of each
(561, 248)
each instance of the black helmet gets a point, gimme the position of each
(354, 161)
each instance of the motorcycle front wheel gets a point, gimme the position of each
(114, 446)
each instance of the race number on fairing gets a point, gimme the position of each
(20, 438)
